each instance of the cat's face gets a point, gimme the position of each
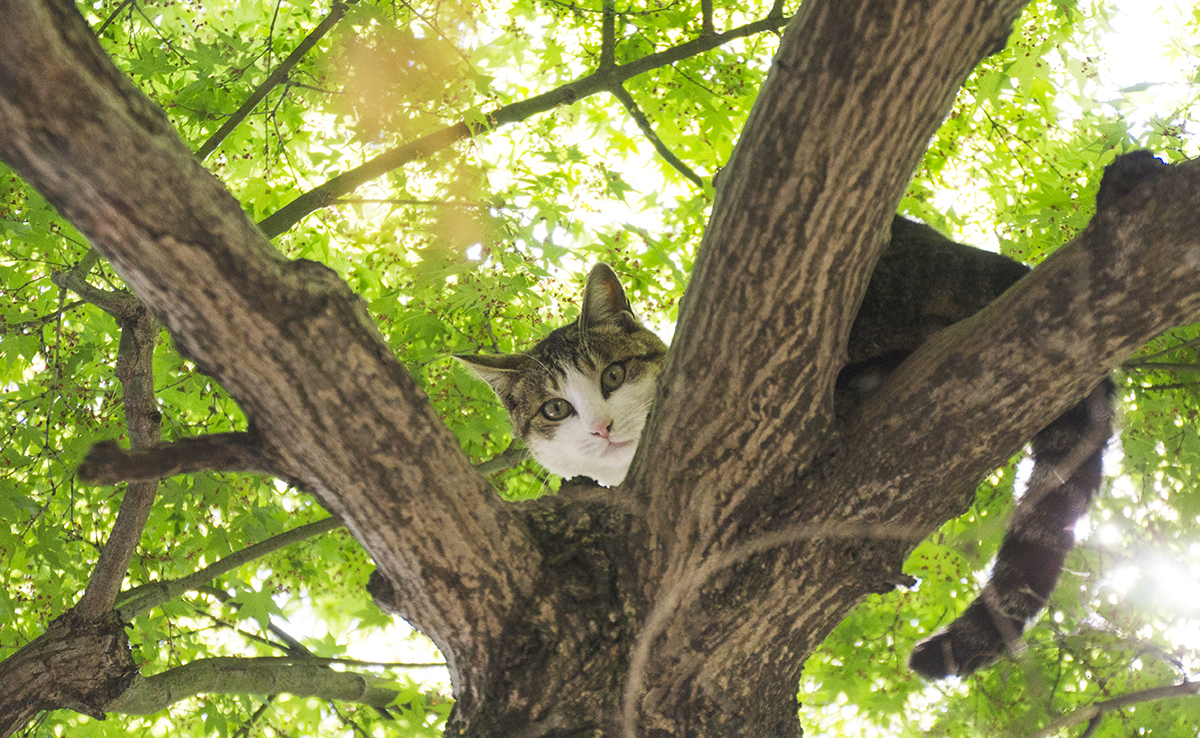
(579, 398)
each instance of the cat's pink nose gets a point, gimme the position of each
(602, 428)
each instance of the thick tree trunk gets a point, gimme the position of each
(686, 602)
(855, 92)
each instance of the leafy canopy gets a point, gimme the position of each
(480, 246)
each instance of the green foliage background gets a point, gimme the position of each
(481, 247)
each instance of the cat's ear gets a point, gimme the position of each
(498, 370)
(603, 296)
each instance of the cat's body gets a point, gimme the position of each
(922, 283)
(580, 399)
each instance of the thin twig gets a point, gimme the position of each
(24, 325)
(1170, 350)
(224, 597)
(466, 59)
(643, 123)
(294, 648)
(243, 731)
(506, 459)
(1157, 366)
(1092, 713)
(112, 17)
(148, 596)
(1168, 387)
(278, 75)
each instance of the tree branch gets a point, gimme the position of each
(608, 34)
(1170, 350)
(798, 222)
(792, 221)
(278, 75)
(1155, 366)
(599, 81)
(251, 721)
(290, 645)
(1094, 712)
(796, 227)
(112, 17)
(643, 123)
(799, 219)
(83, 659)
(1090, 287)
(135, 370)
(23, 325)
(506, 459)
(108, 463)
(148, 596)
(117, 304)
(478, 205)
(257, 676)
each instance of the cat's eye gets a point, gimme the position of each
(556, 409)
(612, 377)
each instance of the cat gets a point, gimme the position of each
(922, 283)
(581, 396)
(579, 399)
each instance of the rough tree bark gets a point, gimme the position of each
(685, 602)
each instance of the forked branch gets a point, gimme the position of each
(289, 340)
(135, 370)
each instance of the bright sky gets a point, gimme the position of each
(1141, 49)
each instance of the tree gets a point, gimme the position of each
(685, 602)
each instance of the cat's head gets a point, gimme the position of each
(580, 397)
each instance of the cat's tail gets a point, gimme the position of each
(1066, 474)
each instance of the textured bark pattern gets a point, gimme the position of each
(856, 91)
(753, 521)
(76, 665)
